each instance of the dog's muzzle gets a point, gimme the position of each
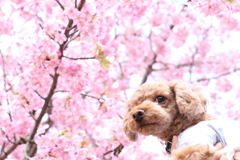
(138, 115)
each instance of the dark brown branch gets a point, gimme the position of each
(3, 68)
(163, 63)
(93, 142)
(31, 146)
(46, 33)
(72, 34)
(192, 64)
(120, 116)
(9, 140)
(2, 149)
(122, 76)
(147, 73)
(39, 94)
(32, 115)
(47, 100)
(15, 139)
(50, 124)
(60, 91)
(175, 66)
(218, 76)
(10, 116)
(30, 150)
(68, 28)
(60, 4)
(42, 113)
(73, 38)
(81, 58)
(4, 76)
(80, 5)
(116, 151)
(75, 3)
(149, 68)
(86, 95)
(161, 69)
(108, 152)
(10, 150)
(66, 33)
(73, 27)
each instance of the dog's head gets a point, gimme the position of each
(154, 106)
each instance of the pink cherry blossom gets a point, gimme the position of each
(60, 38)
(69, 67)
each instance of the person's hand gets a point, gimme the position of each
(237, 155)
(221, 153)
(174, 143)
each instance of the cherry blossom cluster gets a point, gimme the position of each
(68, 68)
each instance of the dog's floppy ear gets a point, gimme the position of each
(132, 136)
(189, 99)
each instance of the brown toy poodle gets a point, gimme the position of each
(166, 109)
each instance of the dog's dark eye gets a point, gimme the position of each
(160, 99)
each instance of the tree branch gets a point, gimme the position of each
(60, 4)
(31, 147)
(47, 100)
(218, 76)
(52, 38)
(10, 150)
(73, 38)
(122, 76)
(32, 115)
(116, 151)
(80, 5)
(192, 64)
(149, 67)
(86, 95)
(4, 76)
(2, 149)
(72, 34)
(81, 58)
(39, 94)
(30, 150)
(10, 116)
(9, 140)
(120, 116)
(75, 3)
(60, 91)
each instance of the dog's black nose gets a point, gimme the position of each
(138, 115)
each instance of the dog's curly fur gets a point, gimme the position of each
(184, 106)
(196, 152)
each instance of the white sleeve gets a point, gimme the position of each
(197, 134)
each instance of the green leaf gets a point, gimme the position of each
(84, 142)
(68, 136)
(15, 93)
(100, 56)
(63, 133)
(81, 118)
(99, 51)
(105, 63)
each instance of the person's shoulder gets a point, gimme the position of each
(200, 133)
(221, 123)
(197, 130)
